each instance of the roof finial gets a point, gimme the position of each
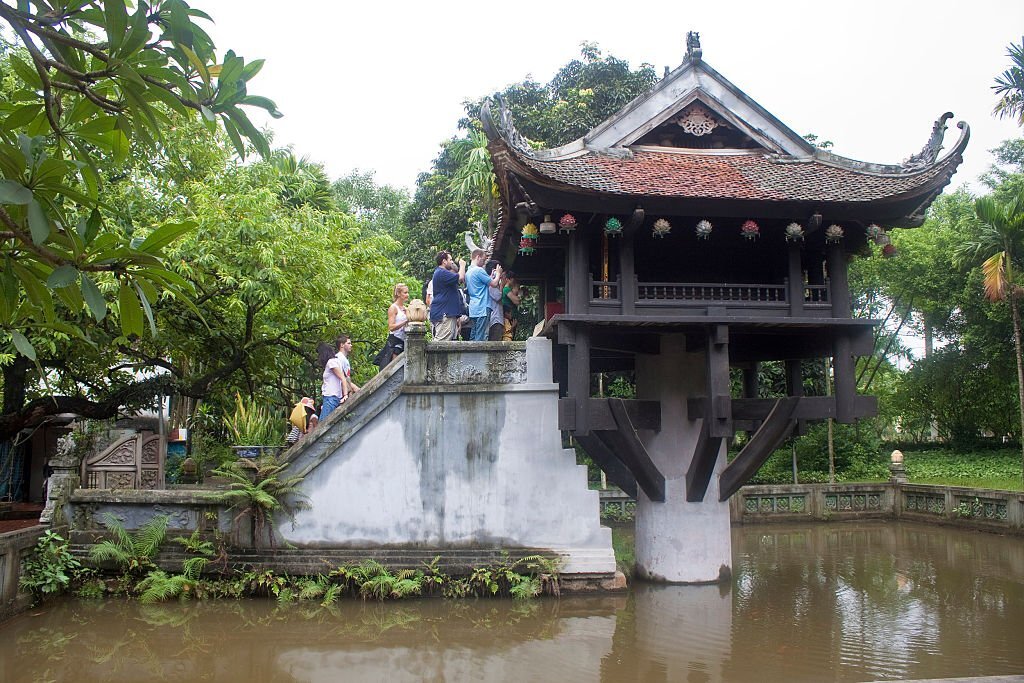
(693, 50)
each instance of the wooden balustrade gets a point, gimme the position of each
(691, 293)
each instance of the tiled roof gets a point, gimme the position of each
(746, 176)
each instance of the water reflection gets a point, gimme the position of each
(808, 603)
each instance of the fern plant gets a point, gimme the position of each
(260, 500)
(135, 552)
(159, 586)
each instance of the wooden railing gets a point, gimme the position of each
(696, 293)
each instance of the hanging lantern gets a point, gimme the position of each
(661, 227)
(526, 246)
(529, 239)
(547, 227)
(613, 227)
(750, 230)
(882, 240)
(874, 231)
(794, 232)
(834, 233)
(567, 223)
(889, 250)
(530, 231)
(704, 230)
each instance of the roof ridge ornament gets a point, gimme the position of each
(930, 152)
(504, 125)
(693, 50)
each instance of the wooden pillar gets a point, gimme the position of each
(719, 398)
(627, 263)
(795, 281)
(843, 377)
(751, 387)
(627, 275)
(795, 387)
(579, 377)
(577, 275)
(839, 285)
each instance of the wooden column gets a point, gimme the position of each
(842, 356)
(719, 411)
(795, 281)
(579, 378)
(795, 387)
(839, 285)
(577, 275)
(627, 263)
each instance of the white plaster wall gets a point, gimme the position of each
(458, 469)
(679, 541)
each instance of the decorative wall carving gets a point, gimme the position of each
(506, 367)
(697, 120)
(122, 455)
(151, 451)
(120, 480)
(133, 461)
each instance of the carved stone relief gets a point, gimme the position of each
(120, 480)
(148, 479)
(483, 368)
(122, 455)
(151, 452)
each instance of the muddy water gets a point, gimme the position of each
(810, 603)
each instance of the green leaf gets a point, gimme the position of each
(22, 116)
(38, 223)
(64, 276)
(23, 345)
(12, 192)
(147, 309)
(25, 72)
(131, 311)
(116, 16)
(94, 298)
(263, 103)
(164, 235)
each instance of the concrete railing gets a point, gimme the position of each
(992, 510)
(14, 546)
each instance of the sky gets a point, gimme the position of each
(378, 86)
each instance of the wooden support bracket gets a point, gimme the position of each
(702, 466)
(605, 458)
(625, 442)
(774, 430)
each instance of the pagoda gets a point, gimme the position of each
(690, 233)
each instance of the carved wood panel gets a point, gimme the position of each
(132, 462)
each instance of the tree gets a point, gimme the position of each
(1010, 86)
(999, 243)
(89, 82)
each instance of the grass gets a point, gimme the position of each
(986, 469)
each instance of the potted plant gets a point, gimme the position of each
(252, 429)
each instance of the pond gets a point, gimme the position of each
(840, 602)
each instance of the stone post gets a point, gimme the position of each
(898, 473)
(63, 481)
(416, 353)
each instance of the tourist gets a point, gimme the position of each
(446, 300)
(302, 420)
(333, 387)
(496, 328)
(511, 297)
(338, 384)
(344, 351)
(397, 320)
(477, 284)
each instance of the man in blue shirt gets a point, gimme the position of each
(446, 304)
(477, 282)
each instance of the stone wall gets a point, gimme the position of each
(459, 449)
(14, 546)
